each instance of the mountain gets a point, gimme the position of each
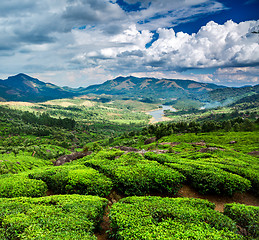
(152, 87)
(232, 93)
(25, 88)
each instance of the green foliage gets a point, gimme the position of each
(95, 147)
(56, 217)
(133, 175)
(21, 186)
(213, 180)
(170, 218)
(244, 141)
(245, 216)
(24, 126)
(11, 163)
(216, 170)
(166, 129)
(74, 179)
(203, 175)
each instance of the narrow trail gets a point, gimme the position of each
(105, 226)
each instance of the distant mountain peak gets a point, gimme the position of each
(151, 87)
(22, 87)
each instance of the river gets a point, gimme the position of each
(158, 115)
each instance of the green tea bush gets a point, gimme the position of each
(161, 158)
(133, 175)
(245, 216)
(20, 186)
(74, 179)
(170, 218)
(250, 173)
(11, 163)
(56, 217)
(212, 180)
(209, 174)
(110, 154)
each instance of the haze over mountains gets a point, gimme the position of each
(25, 88)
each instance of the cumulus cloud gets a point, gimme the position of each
(90, 35)
(214, 45)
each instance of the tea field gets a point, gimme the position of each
(145, 168)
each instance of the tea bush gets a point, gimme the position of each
(170, 218)
(11, 163)
(20, 186)
(55, 217)
(74, 179)
(210, 174)
(212, 180)
(133, 175)
(245, 216)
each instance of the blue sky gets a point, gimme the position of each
(83, 42)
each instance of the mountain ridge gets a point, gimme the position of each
(143, 87)
(22, 87)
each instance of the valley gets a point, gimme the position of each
(100, 167)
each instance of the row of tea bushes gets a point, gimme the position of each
(73, 179)
(62, 217)
(245, 216)
(21, 186)
(11, 163)
(212, 180)
(133, 175)
(230, 161)
(205, 175)
(170, 218)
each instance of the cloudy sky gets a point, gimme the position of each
(81, 42)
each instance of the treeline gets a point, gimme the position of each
(37, 119)
(166, 129)
(47, 120)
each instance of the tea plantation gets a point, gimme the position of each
(55, 217)
(170, 218)
(128, 185)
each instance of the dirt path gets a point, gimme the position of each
(105, 227)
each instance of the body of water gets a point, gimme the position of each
(159, 114)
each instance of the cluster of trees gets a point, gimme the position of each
(38, 119)
(47, 120)
(166, 129)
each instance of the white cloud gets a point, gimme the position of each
(98, 38)
(214, 45)
(238, 76)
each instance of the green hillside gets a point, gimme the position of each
(85, 168)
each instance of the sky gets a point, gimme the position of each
(83, 42)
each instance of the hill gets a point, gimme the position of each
(232, 93)
(22, 87)
(157, 88)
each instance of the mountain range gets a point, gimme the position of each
(22, 87)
